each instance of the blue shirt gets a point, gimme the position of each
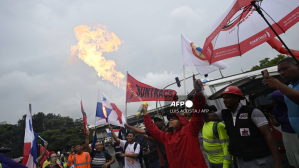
(293, 109)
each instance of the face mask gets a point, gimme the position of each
(52, 159)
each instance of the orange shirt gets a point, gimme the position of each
(79, 161)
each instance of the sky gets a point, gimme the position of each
(36, 38)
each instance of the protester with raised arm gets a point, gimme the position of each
(289, 71)
(131, 149)
(181, 142)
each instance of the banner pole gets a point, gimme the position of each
(185, 86)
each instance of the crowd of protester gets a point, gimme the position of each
(239, 136)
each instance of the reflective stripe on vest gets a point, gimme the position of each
(80, 164)
(214, 151)
(226, 157)
(215, 140)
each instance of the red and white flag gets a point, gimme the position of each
(30, 150)
(108, 111)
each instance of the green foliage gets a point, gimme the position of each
(60, 132)
(267, 62)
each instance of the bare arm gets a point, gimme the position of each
(111, 161)
(137, 130)
(129, 155)
(292, 94)
(265, 130)
(111, 141)
(43, 152)
(113, 135)
(89, 149)
(144, 136)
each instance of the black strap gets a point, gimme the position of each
(127, 143)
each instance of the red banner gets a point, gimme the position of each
(137, 91)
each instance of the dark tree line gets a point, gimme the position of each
(60, 132)
(267, 62)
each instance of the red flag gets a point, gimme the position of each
(84, 117)
(41, 148)
(277, 45)
(137, 91)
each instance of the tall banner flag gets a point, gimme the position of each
(84, 117)
(137, 91)
(278, 46)
(108, 110)
(30, 150)
(192, 56)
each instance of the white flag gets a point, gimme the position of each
(192, 57)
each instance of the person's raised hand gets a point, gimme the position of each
(272, 82)
(87, 132)
(45, 143)
(110, 128)
(197, 84)
(127, 126)
(144, 107)
(72, 149)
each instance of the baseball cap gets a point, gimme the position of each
(159, 117)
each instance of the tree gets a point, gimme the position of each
(267, 62)
(60, 132)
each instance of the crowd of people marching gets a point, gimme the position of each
(239, 136)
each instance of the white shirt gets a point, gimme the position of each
(131, 162)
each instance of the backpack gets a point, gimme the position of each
(135, 146)
(215, 131)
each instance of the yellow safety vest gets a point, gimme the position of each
(216, 149)
(0, 165)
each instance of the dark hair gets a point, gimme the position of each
(131, 133)
(288, 60)
(99, 142)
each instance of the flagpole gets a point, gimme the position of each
(30, 108)
(126, 97)
(185, 86)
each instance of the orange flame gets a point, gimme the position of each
(104, 111)
(91, 44)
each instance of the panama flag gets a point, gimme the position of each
(192, 56)
(30, 150)
(108, 110)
